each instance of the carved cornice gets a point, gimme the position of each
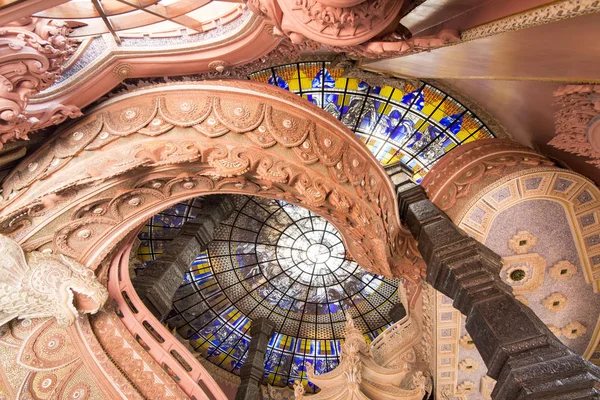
(556, 11)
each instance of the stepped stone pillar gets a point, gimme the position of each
(398, 310)
(520, 352)
(253, 369)
(159, 281)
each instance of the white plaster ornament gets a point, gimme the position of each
(45, 285)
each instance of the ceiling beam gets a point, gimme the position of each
(98, 6)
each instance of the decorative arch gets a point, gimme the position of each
(86, 192)
(144, 151)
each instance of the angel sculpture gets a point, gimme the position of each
(44, 285)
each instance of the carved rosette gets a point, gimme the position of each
(336, 23)
(31, 59)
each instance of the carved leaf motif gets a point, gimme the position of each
(277, 171)
(229, 162)
(313, 192)
(26, 173)
(131, 119)
(306, 152)
(238, 116)
(328, 147)
(261, 137)
(74, 140)
(181, 110)
(129, 202)
(211, 127)
(286, 128)
(355, 166)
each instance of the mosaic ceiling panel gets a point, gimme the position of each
(276, 260)
(415, 125)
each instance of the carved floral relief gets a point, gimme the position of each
(366, 28)
(32, 54)
(213, 141)
(577, 121)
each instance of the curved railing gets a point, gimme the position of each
(162, 346)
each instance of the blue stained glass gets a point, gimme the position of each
(323, 79)
(278, 81)
(453, 122)
(402, 131)
(321, 366)
(374, 89)
(419, 103)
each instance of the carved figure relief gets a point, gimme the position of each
(359, 376)
(44, 285)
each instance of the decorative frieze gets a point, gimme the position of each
(32, 55)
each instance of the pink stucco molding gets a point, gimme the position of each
(162, 346)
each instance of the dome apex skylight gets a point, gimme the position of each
(275, 260)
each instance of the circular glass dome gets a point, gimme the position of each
(275, 260)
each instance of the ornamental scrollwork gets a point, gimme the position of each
(577, 121)
(213, 141)
(32, 55)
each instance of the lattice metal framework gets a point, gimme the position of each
(276, 260)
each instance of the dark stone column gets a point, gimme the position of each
(159, 281)
(397, 312)
(520, 352)
(253, 369)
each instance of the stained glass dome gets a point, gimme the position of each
(414, 125)
(275, 260)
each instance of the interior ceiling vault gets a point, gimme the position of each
(512, 74)
(298, 143)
